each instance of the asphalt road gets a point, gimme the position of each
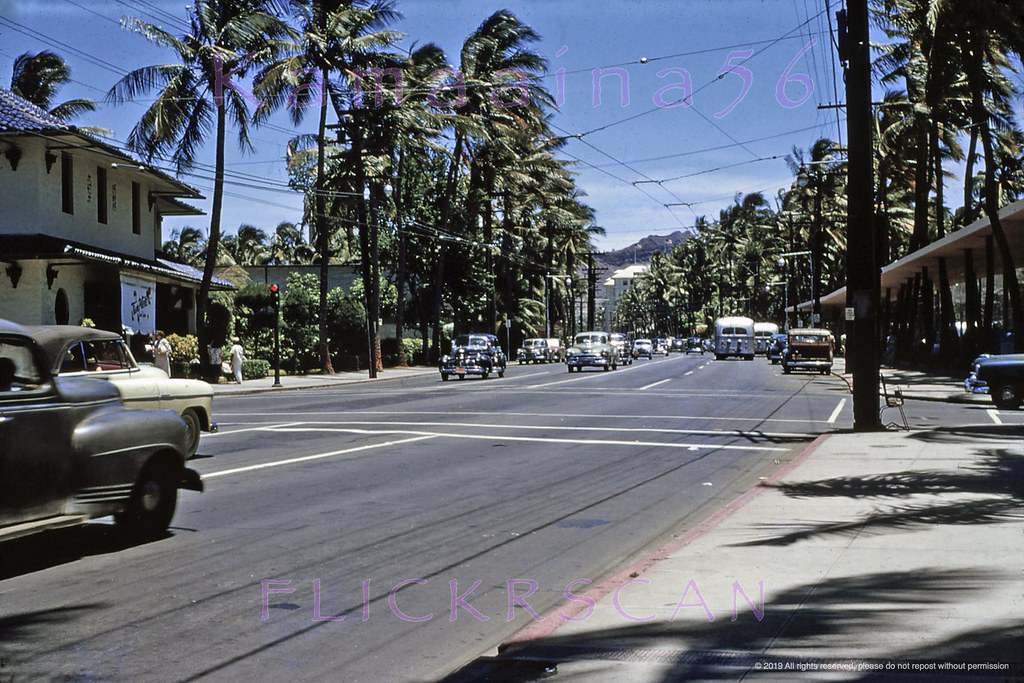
(337, 525)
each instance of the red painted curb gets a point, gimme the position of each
(557, 617)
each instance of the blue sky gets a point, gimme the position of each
(722, 142)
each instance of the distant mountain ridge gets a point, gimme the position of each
(641, 251)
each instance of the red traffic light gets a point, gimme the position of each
(273, 289)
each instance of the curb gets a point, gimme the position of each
(557, 617)
(325, 385)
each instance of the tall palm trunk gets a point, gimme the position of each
(981, 117)
(400, 234)
(320, 220)
(972, 151)
(213, 242)
(936, 151)
(447, 202)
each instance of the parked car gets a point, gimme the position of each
(623, 346)
(694, 345)
(73, 351)
(70, 451)
(643, 347)
(808, 349)
(591, 349)
(536, 351)
(777, 348)
(474, 354)
(1001, 376)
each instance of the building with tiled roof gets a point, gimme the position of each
(81, 228)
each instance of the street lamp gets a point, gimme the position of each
(547, 299)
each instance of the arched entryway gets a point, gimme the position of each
(61, 309)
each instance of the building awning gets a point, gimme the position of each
(51, 248)
(952, 248)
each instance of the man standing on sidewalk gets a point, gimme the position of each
(237, 355)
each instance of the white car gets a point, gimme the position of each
(88, 352)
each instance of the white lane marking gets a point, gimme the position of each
(588, 375)
(650, 386)
(994, 414)
(532, 374)
(317, 456)
(835, 413)
(562, 428)
(247, 429)
(596, 416)
(687, 374)
(536, 439)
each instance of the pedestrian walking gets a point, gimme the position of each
(216, 359)
(237, 355)
(162, 352)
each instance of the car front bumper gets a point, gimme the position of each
(587, 361)
(973, 385)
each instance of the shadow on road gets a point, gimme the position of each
(53, 548)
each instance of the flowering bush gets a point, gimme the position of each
(184, 348)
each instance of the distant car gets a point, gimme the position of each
(643, 347)
(591, 349)
(473, 354)
(556, 349)
(71, 452)
(623, 346)
(777, 348)
(536, 351)
(1002, 376)
(681, 345)
(808, 349)
(660, 345)
(694, 345)
(73, 351)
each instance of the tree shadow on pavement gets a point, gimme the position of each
(998, 473)
(795, 620)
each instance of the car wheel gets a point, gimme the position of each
(501, 373)
(461, 377)
(444, 377)
(195, 426)
(786, 370)
(718, 356)
(486, 374)
(152, 503)
(1006, 396)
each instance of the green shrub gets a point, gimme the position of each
(413, 348)
(256, 368)
(184, 348)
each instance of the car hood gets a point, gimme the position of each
(588, 348)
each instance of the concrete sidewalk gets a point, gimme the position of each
(920, 386)
(291, 382)
(878, 555)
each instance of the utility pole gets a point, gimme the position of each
(591, 290)
(863, 276)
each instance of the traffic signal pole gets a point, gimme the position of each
(275, 294)
(863, 274)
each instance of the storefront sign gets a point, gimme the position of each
(138, 305)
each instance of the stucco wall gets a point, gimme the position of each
(31, 303)
(30, 200)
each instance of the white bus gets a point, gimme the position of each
(764, 334)
(734, 336)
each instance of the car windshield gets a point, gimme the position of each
(529, 343)
(809, 339)
(18, 370)
(471, 342)
(591, 339)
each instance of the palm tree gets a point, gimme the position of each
(192, 100)
(38, 77)
(330, 38)
(289, 246)
(187, 245)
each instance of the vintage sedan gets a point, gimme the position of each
(474, 354)
(536, 351)
(694, 345)
(623, 347)
(643, 347)
(777, 348)
(71, 452)
(1001, 376)
(808, 349)
(87, 352)
(592, 349)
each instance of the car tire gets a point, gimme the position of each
(153, 500)
(501, 373)
(195, 426)
(786, 370)
(485, 374)
(462, 377)
(1006, 397)
(606, 368)
(719, 356)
